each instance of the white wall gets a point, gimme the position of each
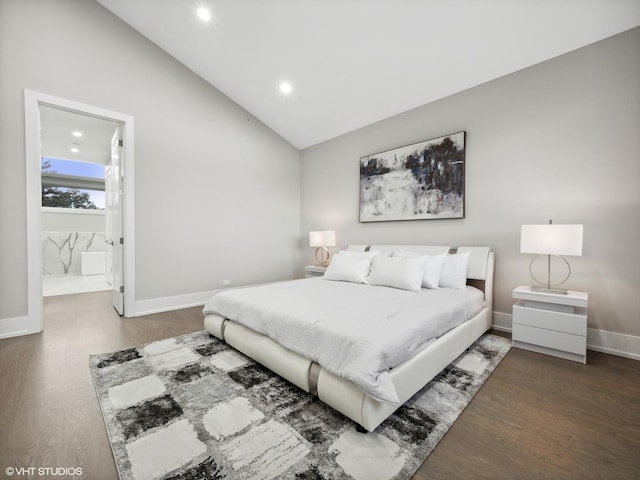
(558, 140)
(72, 220)
(217, 193)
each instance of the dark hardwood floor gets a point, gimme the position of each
(49, 412)
(543, 417)
(536, 417)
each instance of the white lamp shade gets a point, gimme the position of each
(322, 238)
(551, 239)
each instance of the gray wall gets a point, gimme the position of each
(559, 140)
(217, 194)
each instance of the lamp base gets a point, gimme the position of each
(548, 287)
(322, 256)
(554, 291)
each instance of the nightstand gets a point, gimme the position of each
(314, 271)
(551, 324)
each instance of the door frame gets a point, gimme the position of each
(33, 152)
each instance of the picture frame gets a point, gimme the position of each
(421, 181)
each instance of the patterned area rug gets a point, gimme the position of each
(191, 408)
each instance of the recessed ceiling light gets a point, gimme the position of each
(204, 14)
(75, 150)
(285, 87)
(77, 134)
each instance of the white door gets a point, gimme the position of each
(113, 207)
(108, 183)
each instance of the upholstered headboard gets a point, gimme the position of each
(423, 249)
(478, 262)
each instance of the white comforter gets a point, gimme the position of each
(355, 331)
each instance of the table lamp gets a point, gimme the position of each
(551, 240)
(322, 239)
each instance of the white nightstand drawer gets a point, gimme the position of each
(574, 323)
(551, 324)
(548, 338)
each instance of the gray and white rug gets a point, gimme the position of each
(191, 407)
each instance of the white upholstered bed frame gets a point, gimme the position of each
(408, 378)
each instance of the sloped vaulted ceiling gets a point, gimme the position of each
(353, 62)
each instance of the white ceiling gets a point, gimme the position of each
(57, 127)
(355, 62)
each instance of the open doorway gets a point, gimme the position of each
(120, 127)
(76, 156)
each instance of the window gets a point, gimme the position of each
(69, 184)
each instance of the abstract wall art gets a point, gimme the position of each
(422, 181)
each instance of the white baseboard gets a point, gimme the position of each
(502, 321)
(613, 343)
(166, 304)
(14, 327)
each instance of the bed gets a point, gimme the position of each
(353, 397)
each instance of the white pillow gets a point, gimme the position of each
(454, 271)
(348, 269)
(398, 272)
(432, 266)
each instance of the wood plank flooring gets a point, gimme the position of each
(49, 412)
(542, 417)
(536, 417)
